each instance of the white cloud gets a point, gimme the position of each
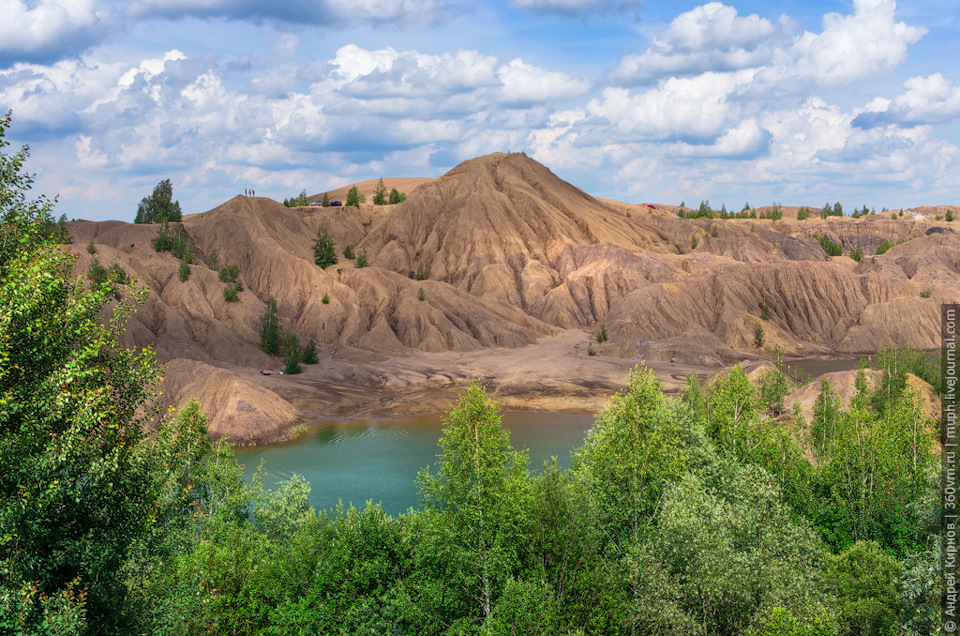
(745, 140)
(851, 47)
(523, 83)
(711, 37)
(928, 100)
(47, 30)
(677, 108)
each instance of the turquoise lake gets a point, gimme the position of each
(379, 459)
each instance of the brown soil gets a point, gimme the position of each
(522, 270)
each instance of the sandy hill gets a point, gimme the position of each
(513, 256)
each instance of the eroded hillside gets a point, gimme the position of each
(512, 255)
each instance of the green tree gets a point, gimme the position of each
(421, 272)
(355, 197)
(866, 583)
(421, 296)
(78, 495)
(826, 416)
(758, 337)
(270, 327)
(857, 254)
(324, 250)
(348, 253)
(883, 247)
(396, 196)
(183, 273)
(213, 261)
(91, 248)
(602, 334)
(298, 201)
(291, 352)
(362, 258)
(826, 211)
(159, 207)
(949, 216)
(326, 200)
(309, 353)
(803, 213)
(765, 309)
(635, 448)
(380, 194)
(475, 506)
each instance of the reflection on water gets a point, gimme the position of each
(379, 460)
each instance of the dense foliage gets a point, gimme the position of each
(324, 249)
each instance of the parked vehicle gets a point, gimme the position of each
(317, 202)
(334, 203)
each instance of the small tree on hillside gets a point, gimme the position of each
(380, 194)
(159, 206)
(396, 196)
(355, 197)
(270, 327)
(758, 337)
(291, 352)
(326, 200)
(362, 258)
(324, 250)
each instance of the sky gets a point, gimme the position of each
(797, 102)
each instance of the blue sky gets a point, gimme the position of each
(795, 102)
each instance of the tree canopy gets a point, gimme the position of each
(159, 207)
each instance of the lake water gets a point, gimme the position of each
(380, 459)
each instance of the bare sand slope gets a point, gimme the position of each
(521, 270)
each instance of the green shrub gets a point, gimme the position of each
(803, 213)
(325, 300)
(98, 273)
(714, 232)
(118, 275)
(184, 272)
(831, 247)
(421, 272)
(765, 309)
(926, 293)
(590, 350)
(883, 247)
(857, 254)
(949, 216)
(397, 197)
(309, 353)
(421, 295)
(230, 274)
(231, 292)
(213, 261)
(348, 253)
(937, 217)
(602, 334)
(170, 240)
(362, 258)
(758, 337)
(298, 201)
(91, 248)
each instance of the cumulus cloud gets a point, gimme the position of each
(712, 37)
(851, 47)
(928, 100)
(746, 140)
(686, 108)
(48, 30)
(328, 13)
